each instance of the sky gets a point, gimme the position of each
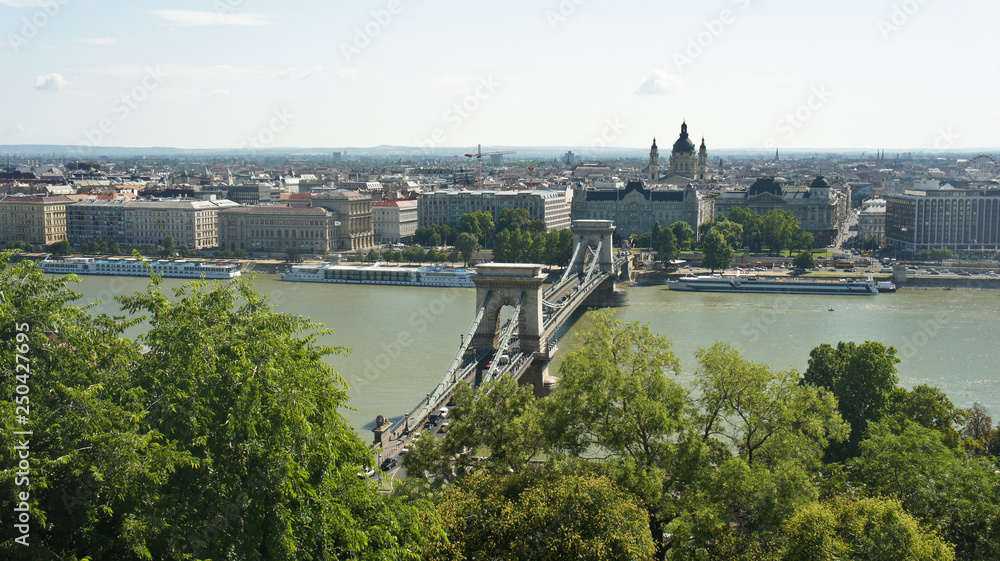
(744, 74)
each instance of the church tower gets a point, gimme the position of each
(654, 163)
(702, 161)
(683, 160)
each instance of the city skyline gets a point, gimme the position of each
(745, 74)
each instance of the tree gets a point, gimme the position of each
(169, 250)
(541, 516)
(871, 529)
(929, 407)
(978, 429)
(778, 228)
(804, 261)
(731, 231)
(499, 417)
(717, 253)
(748, 220)
(61, 247)
(240, 254)
(413, 254)
(614, 395)
(466, 245)
(214, 435)
(184, 251)
(960, 496)
(862, 377)
(18, 245)
(665, 244)
(804, 241)
(683, 233)
(766, 416)
(292, 255)
(512, 219)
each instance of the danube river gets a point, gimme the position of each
(404, 338)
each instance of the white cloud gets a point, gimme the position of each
(285, 73)
(659, 83)
(312, 72)
(50, 82)
(193, 18)
(220, 92)
(99, 41)
(349, 72)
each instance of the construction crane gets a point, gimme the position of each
(479, 160)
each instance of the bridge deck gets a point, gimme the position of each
(467, 367)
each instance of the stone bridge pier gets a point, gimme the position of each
(587, 235)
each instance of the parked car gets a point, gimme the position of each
(389, 463)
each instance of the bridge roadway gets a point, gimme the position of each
(560, 301)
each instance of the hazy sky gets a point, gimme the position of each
(920, 74)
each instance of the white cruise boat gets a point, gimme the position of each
(775, 285)
(131, 267)
(431, 275)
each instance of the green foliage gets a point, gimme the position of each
(511, 219)
(98, 246)
(731, 231)
(184, 251)
(863, 530)
(717, 253)
(291, 255)
(541, 516)
(804, 261)
(413, 254)
(929, 407)
(479, 224)
(61, 247)
(18, 245)
(765, 416)
(466, 245)
(804, 241)
(239, 254)
(219, 438)
(957, 496)
(169, 249)
(778, 229)
(664, 243)
(549, 248)
(939, 254)
(862, 377)
(683, 234)
(499, 418)
(749, 221)
(980, 436)
(442, 234)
